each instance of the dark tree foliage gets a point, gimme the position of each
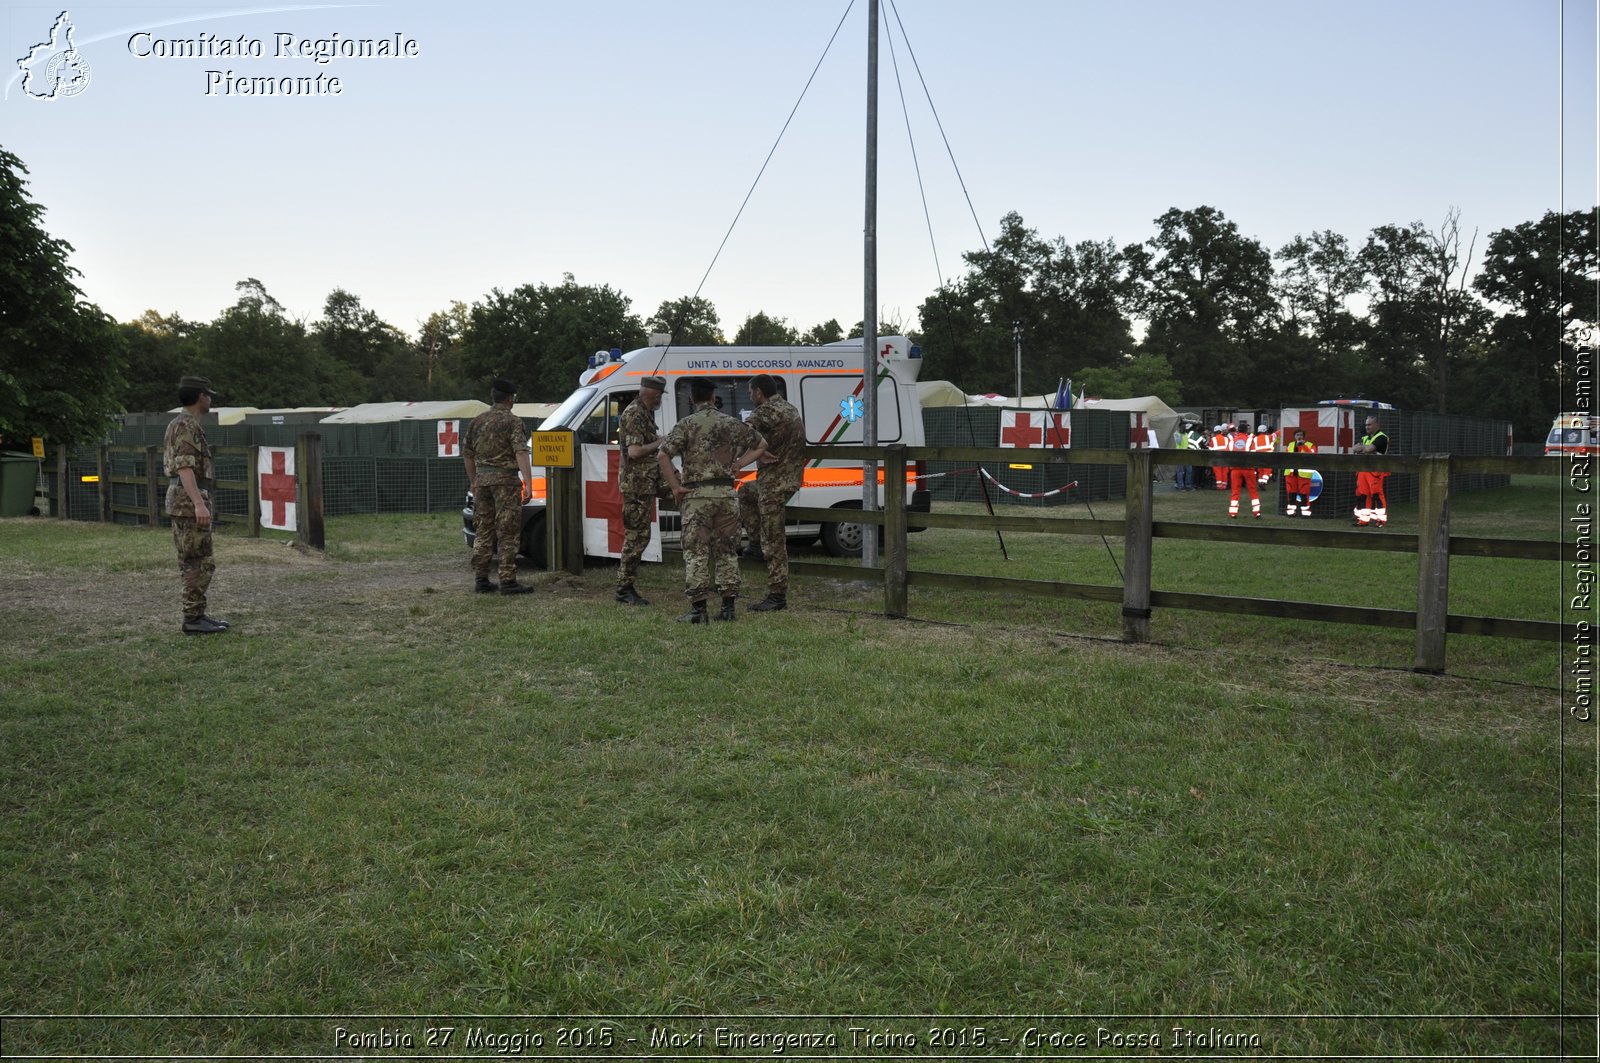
(1071, 301)
(691, 321)
(1543, 272)
(60, 358)
(1207, 293)
(760, 330)
(541, 337)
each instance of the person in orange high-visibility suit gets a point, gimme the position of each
(1266, 442)
(1219, 441)
(1297, 482)
(1242, 441)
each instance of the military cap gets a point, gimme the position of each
(657, 382)
(197, 383)
(503, 385)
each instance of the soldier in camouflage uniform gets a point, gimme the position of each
(761, 501)
(713, 447)
(495, 450)
(186, 460)
(639, 482)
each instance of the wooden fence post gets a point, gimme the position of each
(154, 496)
(103, 482)
(1136, 550)
(1433, 562)
(564, 517)
(308, 471)
(58, 497)
(252, 495)
(894, 530)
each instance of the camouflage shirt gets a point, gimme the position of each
(494, 439)
(637, 477)
(708, 441)
(185, 447)
(780, 425)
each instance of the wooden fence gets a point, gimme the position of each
(150, 485)
(1433, 544)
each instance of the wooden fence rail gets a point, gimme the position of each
(1433, 544)
(152, 484)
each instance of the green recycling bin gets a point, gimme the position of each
(19, 480)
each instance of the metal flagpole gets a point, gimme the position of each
(869, 316)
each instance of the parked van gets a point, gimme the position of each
(824, 383)
(1572, 433)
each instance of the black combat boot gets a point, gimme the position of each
(752, 552)
(727, 609)
(774, 601)
(203, 626)
(483, 585)
(628, 596)
(511, 586)
(696, 615)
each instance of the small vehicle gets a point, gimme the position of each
(1573, 434)
(824, 383)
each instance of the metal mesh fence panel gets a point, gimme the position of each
(1016, 483)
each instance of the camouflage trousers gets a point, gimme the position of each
(761, 515)
(497, 525)
(710, 543)
(195, 564)
(637, 515)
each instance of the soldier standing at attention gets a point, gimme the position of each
(494, 451)
(186, 460)
(712, 446)
(639, 482)
(778, 475)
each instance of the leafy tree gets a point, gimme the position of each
(1543, 273)
(1423, 321)
(256, 355)
(828, 331)
(357, 338)
(1321, 340)
(690, 321)
(1071, 300)
(1207, 292)
(541, 337)
(60, 356)
(759, 330)
(1137, 376)
(159, 351)
(439, 352)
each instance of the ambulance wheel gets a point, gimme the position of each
(844, 538)
(533, 547)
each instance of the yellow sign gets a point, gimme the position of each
(554, 449)
(1021, 466)
(38, 448)
(90, 479)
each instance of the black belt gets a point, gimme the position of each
(721, 481)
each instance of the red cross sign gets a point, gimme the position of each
(449, 438)
(1018, 430)
(277, 487)
(602, 501)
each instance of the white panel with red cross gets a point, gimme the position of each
(602, 506)
(449, 434)
(1035, 429)
(1331, 428)
(275, 470)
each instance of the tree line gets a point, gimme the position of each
(1220, 319)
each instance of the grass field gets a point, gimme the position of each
(383, 796)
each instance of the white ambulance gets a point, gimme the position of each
(1573, 434)
(824, 383)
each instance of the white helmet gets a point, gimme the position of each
(1261, 428)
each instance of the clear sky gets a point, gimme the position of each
(615, 141)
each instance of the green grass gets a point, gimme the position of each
(384, 794)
